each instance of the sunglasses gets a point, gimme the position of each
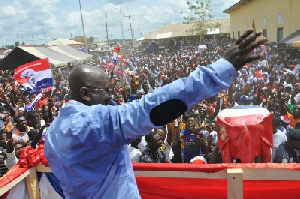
(108, 90)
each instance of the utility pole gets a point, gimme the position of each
(43, 32)
(21, 35)
(85, 43)
(140, 32)
(32, 39)
(107, 39)
(129, 16)
(122, 31)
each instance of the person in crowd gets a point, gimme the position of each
(3, 138)
(166, 138)
(295, 116)
(289, 151)
(193, 140)
(153, 152)
(13, 150)
(174, 135)
(21, 130)
(95, 134)
(33, 120)
(278, 135)
(3, 167)
(134, 151)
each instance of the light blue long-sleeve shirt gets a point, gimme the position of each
(86, 146)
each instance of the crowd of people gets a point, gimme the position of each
(272, 83)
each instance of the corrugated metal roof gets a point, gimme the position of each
(180, 30)
(57, 55)
(291, 38)
(58, 42)
(76, 53)
(54, 57)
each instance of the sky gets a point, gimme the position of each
(41, 21)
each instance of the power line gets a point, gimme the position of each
(43, 32)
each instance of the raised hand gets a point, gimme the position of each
(239, 53)
(9, 127)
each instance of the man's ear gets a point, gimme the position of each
(84, 94)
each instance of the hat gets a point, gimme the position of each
(285, 119)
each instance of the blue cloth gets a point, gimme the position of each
(131, 97)
(86, 146)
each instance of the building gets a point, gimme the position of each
(180, 30)
(68, 42)
(277, 18)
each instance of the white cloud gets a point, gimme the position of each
(8, 11)
(61, 18)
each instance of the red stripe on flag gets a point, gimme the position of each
(38, 65)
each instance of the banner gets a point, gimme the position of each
(34, 101)
(35, 76)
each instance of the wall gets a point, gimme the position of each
(265, 15)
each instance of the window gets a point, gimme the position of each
(265, 33)
(279, 34)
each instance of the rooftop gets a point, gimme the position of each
(236, 6)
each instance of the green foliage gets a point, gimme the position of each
(90, 40)
(17, 44)
(199, 16)
(10, 46)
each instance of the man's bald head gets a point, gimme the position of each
(84, 75)
(83, 79)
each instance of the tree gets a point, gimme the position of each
(90, 40)
(10, 46)
(17, 44)
(200, 17)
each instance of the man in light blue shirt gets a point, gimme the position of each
(86, 145)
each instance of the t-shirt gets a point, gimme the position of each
(150, 156)
(191, 148)
(3, 169)
(278, 138)
(293, 121)
(166, 148)
(135, 154)
(285, 154)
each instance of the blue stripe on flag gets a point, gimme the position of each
(55, 184)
